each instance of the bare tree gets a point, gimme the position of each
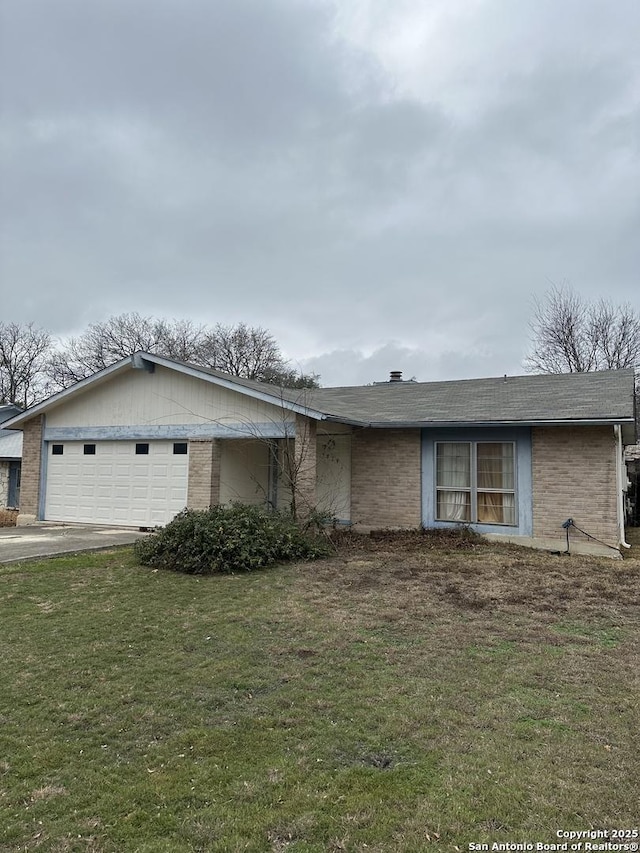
(241, 350)
(288, 377)
(571, 335)
(24, 350)
(252, 353)
(105, 343)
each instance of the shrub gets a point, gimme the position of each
(236, 538)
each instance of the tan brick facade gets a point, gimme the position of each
(574, 476)
(385, 478)
(204, 473)
(31, 467)
(304, 461)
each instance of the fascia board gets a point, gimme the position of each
(338, 419)
(453, 424)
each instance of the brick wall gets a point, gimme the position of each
(203, 489)
(385, 478)
(304, 476)
(574, 476)
(31, 465)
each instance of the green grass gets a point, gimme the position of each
(388, 699)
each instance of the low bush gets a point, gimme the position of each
(234, 538)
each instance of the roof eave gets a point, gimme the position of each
(609, 421)
(338, 419)
(137, 361)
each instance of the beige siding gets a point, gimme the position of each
(385, 478)
(285, 449)
(330, 428)
(334, 475)
(244, 471)
(162, 397)
(574, 476)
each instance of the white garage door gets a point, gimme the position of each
(140, 484)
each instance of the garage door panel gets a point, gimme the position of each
(115, 485)
(121, 516)
(156, 518)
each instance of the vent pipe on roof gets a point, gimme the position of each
(395, 376)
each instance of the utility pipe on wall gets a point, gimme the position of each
(620, 473)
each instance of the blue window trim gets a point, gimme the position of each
(521, 436)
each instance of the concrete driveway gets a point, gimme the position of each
(47, 540)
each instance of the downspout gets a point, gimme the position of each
(619, 475)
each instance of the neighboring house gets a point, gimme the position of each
(10, 458)
(632, 458)
(513, 457)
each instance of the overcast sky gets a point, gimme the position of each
(383, 184)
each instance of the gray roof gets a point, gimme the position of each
(10, 440)
(599, 396)
(8, 410)
(10, 444)
(606, 395)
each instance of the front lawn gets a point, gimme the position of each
(404, 695)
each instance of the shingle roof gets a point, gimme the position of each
(10, 444)
(603, 395)
(600, 395)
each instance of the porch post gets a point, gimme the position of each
(203, 489)
(32, 471)
(304, 476)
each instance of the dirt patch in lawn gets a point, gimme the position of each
(463, 572)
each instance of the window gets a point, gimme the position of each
(57, 449)
(142, 449)
(475, 482)
(179, 448)
(89, 450)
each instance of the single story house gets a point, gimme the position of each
(513, 457)
(10, 459)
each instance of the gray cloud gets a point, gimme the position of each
(257, 161)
